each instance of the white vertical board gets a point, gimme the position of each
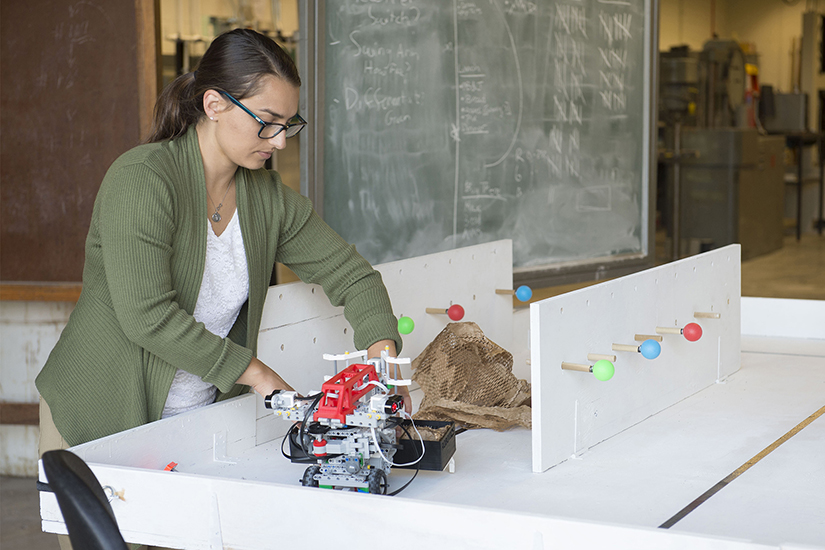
(299, 325)
(573, 411)
(783, 318)
(205, 435)
(780, 325)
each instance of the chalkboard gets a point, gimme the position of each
(450, 123)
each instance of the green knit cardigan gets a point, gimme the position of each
(145, 252)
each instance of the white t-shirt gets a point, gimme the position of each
(224, 289)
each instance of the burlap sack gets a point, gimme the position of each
(468, 378)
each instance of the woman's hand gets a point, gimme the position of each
(375, 351)
(404, 392)
(262, 379)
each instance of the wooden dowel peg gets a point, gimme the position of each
(643, 337)
(575, 366)
(625, 347)
(706, 315)
(454, 312)
(602, 369)
(650, 349)
(523, 293)
(600, 356)
(691, 331)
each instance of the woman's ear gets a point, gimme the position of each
(213, 103)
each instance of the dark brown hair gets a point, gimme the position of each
(235, 63)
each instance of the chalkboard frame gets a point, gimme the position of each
(311, 61)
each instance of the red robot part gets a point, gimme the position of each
(342, 392)
(320, 447)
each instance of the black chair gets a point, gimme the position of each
(85, 508)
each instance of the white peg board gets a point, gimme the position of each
(573, 411)
(299, 325)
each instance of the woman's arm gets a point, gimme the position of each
(317, 254)
(262, 379)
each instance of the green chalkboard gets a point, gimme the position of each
(442, 124)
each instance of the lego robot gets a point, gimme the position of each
(348, 428)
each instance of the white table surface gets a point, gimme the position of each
(649, 472)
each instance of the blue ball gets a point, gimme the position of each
(524, 293)
(650, 349)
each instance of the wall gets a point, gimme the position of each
(191, 18)
(686, 22)
(771, 25)
(28, 332)
(71, 104)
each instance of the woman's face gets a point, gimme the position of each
(237, 136)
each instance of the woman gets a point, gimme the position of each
(184, 235)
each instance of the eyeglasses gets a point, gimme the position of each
(271, 129)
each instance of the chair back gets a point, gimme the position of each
(83, 503)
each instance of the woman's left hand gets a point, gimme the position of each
(375, 351)
(404, 392)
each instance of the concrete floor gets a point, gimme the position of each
(20, 516)
(795, 271)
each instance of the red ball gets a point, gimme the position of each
(455, 312)
(692, 332)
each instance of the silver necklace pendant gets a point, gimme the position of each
(217, 217)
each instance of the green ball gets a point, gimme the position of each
(405, 325)
(603, 369)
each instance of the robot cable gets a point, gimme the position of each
(417, 468)
(390, 462)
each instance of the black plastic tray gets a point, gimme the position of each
(437, 453)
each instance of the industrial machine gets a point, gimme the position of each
(720, 178)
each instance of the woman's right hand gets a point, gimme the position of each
(262, 379)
